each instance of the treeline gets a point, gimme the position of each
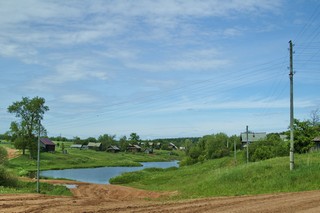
(220, 145)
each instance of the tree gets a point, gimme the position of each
(106, 140)
(272, 146)
(134, 138)
(123, 143)
(304, 133)
(91, 139)
(315, 117)
(30, 112)
(216, 145)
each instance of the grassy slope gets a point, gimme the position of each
(220, 177)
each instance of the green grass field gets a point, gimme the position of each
(222, 177)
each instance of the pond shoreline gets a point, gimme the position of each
(101, 175)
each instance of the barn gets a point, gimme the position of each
(47, 145)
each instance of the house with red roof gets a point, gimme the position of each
(47, 145)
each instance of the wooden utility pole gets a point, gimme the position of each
(291, 108)
(247, 133)
(38, 159)
(235, 150)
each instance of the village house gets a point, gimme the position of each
(316, 141)
(172, 146)
(113, 149)
(47, 145)
(133, 148)
(76, 146)
(94, 146)
(252, 137)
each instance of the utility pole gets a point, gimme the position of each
(235, 150)
(291, 109)
(38, 159)
(247, 133)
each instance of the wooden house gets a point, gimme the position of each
(172, 146)
(252, 137)
(47, 145)
(133, 148)
(113, 149)
(94, 146)
(316, 141)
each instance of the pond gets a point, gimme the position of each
(102, 175)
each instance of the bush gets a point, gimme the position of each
(7, 179)
(266, 149)
(3, 155)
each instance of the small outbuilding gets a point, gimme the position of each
(316, 140)
(76, 146)
(133, 148)
(47, 145)
(94, 146)
(172, 146)
(252, 137)
(113, 149)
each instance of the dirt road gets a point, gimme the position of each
(12, 153)
(110, 198)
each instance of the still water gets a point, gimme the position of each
(102, 175)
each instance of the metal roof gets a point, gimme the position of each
(252, 136)
(93, 144)
(47, 141)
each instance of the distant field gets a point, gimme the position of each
(222, 177)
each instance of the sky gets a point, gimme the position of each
(160, 68)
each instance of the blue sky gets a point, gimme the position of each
(162, 68)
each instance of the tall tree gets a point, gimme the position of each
(134, 138)
(30, 112)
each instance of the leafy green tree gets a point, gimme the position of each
(134, 138)
(18, 136)
(106, 140)
(77, 140)
(123, 143)
(304, 133)
(272, 146)
(91, 139)
(216, 145)
(235, 139)
(30, 112)
(188, 144)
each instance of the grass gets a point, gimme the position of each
(30, 187)
(222, 177)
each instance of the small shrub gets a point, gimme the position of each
(7, 179)
(126, 178)
(3, 155)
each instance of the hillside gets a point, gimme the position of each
(223, 178)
